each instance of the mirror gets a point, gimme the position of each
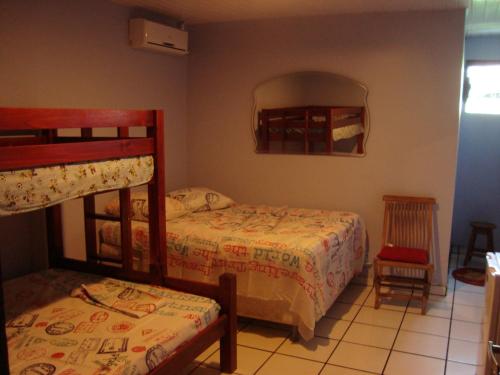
(315, 113)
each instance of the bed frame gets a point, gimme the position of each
(29, 139)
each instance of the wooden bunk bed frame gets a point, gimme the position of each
(295, 124)
(37, 144)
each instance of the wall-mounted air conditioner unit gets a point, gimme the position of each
(155, 36)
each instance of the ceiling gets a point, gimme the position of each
(483, 15)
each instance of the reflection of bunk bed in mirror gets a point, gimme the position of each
(39, 169)
(311, 130)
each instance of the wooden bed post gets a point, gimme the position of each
(125, 220)
(156, 198)
(53, 217)
(361, 137)
(227, 283)
(4, 354)
(89, 211)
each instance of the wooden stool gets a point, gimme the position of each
(485, 229)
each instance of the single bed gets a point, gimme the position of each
(291, 263)
(53, 326)
(90, 317)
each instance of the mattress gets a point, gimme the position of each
(31, 189)
(299, 259)
(64, 322)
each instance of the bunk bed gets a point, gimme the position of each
(291, 263)
(80, 314)
(312, 129)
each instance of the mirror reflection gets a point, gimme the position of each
(311, 113)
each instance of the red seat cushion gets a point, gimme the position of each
(404, 254)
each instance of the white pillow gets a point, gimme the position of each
(197, 199)
(140, 208)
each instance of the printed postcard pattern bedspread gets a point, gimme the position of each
(302, 256)
(31, 189)
(49, 332)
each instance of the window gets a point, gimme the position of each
(482, 88)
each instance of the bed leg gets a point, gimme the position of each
(295, 336)
(227, 284)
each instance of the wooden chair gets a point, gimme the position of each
(406, 244)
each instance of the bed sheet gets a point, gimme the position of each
(50, 332)
(301, 257)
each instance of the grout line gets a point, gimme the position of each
(345, 332)
(425, 333)
(397, 334)
(272, 353)
(350, 368)
(451, 320)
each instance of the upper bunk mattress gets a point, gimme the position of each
(51, 332)
(31, 189)
(301, 257)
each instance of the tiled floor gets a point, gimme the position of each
(356, 339)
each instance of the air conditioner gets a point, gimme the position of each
(155, 36)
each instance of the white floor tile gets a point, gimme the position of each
(422, 344)
(466, 352)
(455, 368)
(331, 328)
(371, 335)
(426, 324)
(448, 298)
(208, 352)
(468, 313)
(467, 331)
(203, 370)
(316, 349)
(344, 311)
(434, 308)
(471, 299)
(359, 357)
(387, 303)
(336, 370)
(355, 294)
(379, 317)
(248, 360)
(281, 364)
(264, 338)
(463, 287)
(411, 364)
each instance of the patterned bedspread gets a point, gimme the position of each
(54, 326)
(301, 257)
(31, 189)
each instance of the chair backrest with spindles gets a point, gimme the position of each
(408, 221)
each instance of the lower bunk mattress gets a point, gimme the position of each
(291, 263)
(65, 322)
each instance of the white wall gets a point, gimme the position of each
(477, 195)
(411, 64)
(59, 53)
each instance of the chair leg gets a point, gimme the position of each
(427, 290)
(376, 283)
(470, 246)
(489, 240)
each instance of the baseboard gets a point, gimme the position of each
(439, 290)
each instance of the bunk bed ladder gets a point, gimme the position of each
(156, 198)
(125, 219)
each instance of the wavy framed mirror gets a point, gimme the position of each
(313, 113)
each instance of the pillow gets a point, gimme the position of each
(199, 199)
(140, 208)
